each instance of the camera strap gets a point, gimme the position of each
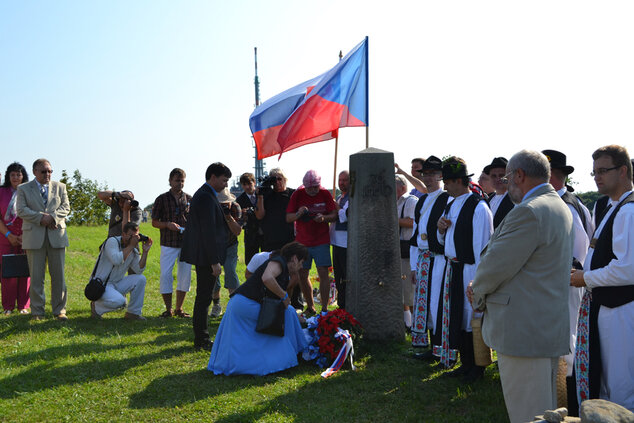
(94, 270)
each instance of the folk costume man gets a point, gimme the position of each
(424, 248)
(499, 201)
(464, 229)
(584, 228)
(521, 285)
(604, 354)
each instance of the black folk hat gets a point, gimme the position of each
(454, 169)
(432, 163)
(498, 162)
(557, 160)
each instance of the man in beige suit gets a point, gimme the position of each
(43, 206)
(522, 286)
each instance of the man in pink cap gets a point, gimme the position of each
(312, 208)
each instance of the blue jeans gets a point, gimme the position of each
(229, 268)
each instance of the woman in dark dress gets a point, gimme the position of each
(238, 348)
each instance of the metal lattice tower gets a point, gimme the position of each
(259, 164)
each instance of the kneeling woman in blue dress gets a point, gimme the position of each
(238, 348)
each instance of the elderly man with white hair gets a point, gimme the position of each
(521, 285)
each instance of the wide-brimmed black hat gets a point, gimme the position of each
(432, 163)
(557, 160)
(500, 162)
(453, 169)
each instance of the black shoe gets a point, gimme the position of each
(476, 372)
(427, 356)
(460, 371)
(205, 344)
(451, 364)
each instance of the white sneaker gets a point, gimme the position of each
(216, 310)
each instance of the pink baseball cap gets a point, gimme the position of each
(312, 179)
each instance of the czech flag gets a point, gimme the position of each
(313, 111)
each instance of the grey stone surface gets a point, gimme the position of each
(373, 291)
(602, 411)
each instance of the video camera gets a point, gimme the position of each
(266, 185)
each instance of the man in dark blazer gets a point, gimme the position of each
(43, 206)
(204, 245)
(522, 286)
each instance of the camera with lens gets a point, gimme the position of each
(305, 216)
(143, 238)
(134, 204)
(226, 208)
(266, 184)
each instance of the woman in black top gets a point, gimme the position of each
(238, 348)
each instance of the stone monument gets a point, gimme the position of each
(373, 289)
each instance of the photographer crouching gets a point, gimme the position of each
(118, 254)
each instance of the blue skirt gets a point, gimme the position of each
(240, 350)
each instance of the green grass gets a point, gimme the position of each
(115, 370)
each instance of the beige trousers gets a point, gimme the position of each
(37, 267)
(529, 385)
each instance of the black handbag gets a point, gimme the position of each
(96, 287)
(271, 317)
(15, 266)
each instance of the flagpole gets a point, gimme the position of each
(334, 171)
(367, 91)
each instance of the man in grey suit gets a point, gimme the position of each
(43, 206)
(522, 286)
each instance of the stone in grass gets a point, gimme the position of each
(602, 411)
(555, 416)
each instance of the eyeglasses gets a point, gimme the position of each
(602, 171)
(505, 179)
(45, 171)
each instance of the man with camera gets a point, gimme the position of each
(312, 208)
(123, 209)
(273, 198)
(118, 254)
(248, 202)
(169, 214)
(233, 214)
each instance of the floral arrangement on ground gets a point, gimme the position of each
(329, 334)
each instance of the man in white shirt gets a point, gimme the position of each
(605, 333)
(499, 201)
(464, 229)
(405, 205)
(583, 226)
(425, 254)
(118, 254)
(339, 239)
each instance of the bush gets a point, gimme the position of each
(85, 207)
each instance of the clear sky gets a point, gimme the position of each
(125, 91)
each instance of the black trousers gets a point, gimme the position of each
(339, 264)
(204, 290)
(252, 245)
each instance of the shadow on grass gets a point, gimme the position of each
(49, 376)
(178, 390)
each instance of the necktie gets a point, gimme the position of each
(44, 196)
